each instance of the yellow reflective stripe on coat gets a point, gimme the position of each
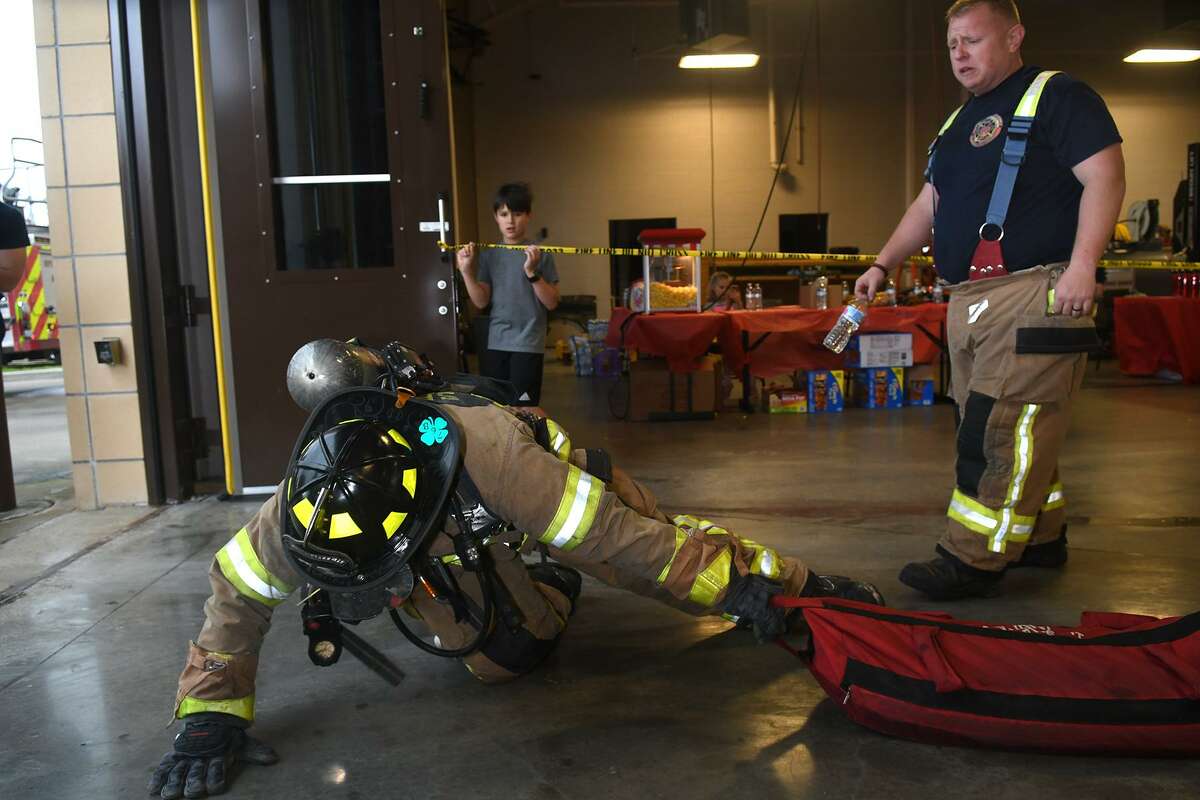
(1033, 95)
(712, 580)
(975, 516)
(239, 707)
(1055, 497)
(560, 443)
(576, 510)
(241, 566)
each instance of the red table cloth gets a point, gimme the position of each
(794, 341)
(796, 334)
(680, 337)
(1156, 333)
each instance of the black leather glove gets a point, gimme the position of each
(205, 749)
(749, 599)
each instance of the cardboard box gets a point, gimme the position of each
(880, 350)
(881, 387)
(652, 387)
(808, 295)
(789, 401)
(920, 392)
(826, 390)
(927, 372)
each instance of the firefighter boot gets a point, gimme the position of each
(564, 579)
(1050, 554)
(843, 587)
(947, 578)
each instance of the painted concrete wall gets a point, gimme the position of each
(613, 129)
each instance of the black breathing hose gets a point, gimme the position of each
(487, 613)
(485, 582)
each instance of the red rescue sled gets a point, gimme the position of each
(1117, 684)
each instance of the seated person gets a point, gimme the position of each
(723, 293)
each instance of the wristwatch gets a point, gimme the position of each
(535, 277)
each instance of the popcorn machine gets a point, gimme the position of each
(669, 283)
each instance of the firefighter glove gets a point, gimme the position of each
(749, 599)
(205, 750)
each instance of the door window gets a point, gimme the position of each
(331, 182)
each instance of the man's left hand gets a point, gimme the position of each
(1075, 291)
(533, 257)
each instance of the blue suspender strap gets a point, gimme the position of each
(1013, 155)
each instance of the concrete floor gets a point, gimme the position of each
(639, 700)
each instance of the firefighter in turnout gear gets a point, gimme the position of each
(1024, 184)
(424, 507)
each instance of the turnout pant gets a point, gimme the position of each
(1015, 370)
(695, 557)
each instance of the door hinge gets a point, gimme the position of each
(192, 305)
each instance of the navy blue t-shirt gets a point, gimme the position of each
(1072, 124)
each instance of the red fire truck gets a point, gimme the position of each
(30, 321)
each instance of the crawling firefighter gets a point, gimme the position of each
(415, 496)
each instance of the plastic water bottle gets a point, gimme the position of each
(891, 292)
(822, 292)
(852, 316)
(938, 293)
(753, 297)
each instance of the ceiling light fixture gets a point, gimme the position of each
(718, 61)
(1151, 55)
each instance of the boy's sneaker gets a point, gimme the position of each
(1047, 554)
(947, 578)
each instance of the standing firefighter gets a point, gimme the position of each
(1025, 181)
(423, 506)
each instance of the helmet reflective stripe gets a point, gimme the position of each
(576, 510)
(239, 707)
(342, 525)
(241, 567)
(395, 434)
(392, 522)
(303, 509)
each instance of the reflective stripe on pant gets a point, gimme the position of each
(695, 557)
(1015, 372)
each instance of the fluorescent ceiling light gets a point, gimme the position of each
(719, 61)
(1158, 56)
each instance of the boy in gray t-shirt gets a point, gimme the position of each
(521, 287)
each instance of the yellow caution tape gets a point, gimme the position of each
(812, 259)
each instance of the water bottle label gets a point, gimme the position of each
(855, 314)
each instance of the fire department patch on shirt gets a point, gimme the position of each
(986, 130)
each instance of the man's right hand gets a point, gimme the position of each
(869, 283)
(465, 257)
(205, 749)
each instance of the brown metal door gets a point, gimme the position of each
(332, 138)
